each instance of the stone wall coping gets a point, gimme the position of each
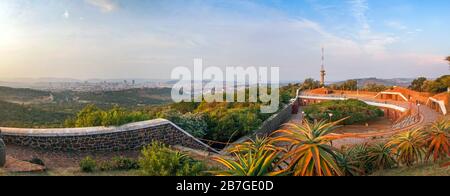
(86, 131)
(60, 132)
(372, 103)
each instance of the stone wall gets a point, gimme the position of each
(275, 121)
(270, 125)
(2, 153)
(128, 137)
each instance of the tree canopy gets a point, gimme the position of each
(432, 86)
(417, 84)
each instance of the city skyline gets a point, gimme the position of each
(146, 39)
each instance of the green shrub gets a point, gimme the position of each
(91, 115)
(357, 111)
(88, 165)
(159, 160)
(105, 166)
(230, 124)
(119, 164)
(195, 124)
(122, 163)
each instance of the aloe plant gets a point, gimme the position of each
(438, 140)
(310, 152)
(409, 147)
(252, 158)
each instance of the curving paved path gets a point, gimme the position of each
(427, 116)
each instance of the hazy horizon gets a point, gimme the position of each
(113, 39)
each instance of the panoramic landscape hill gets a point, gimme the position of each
(243, 88)
(22, 107)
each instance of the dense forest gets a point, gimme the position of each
(35, 108)
(16, 115)
(22, 95)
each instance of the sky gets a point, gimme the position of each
(86, 39)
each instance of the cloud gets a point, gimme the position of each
(396, 25)
(66, 14)
(359, 9)
(103, 5)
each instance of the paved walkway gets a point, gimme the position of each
(427, 116)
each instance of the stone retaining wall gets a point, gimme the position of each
(275, 121)
(128, 137)
(2, 153)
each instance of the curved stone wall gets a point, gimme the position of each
(127, 137)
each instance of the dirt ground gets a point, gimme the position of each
(59, 160)
(373, 126)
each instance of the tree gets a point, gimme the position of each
(350, 85)
(417, 84)
(89, 116)
(448, 59)
(373, 87)
(309, 84)
(437, 86)
(443, 83)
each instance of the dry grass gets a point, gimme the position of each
(429, 169)
(73, 172)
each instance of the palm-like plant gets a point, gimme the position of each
(358, 154)
(438, 136)
(408, 146)
(348, 164)
(253, 158)
(259, 144)
(310, 152)
(381, 156)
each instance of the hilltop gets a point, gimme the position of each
(403, 82)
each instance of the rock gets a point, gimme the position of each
(14, 165)
(2, 153)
